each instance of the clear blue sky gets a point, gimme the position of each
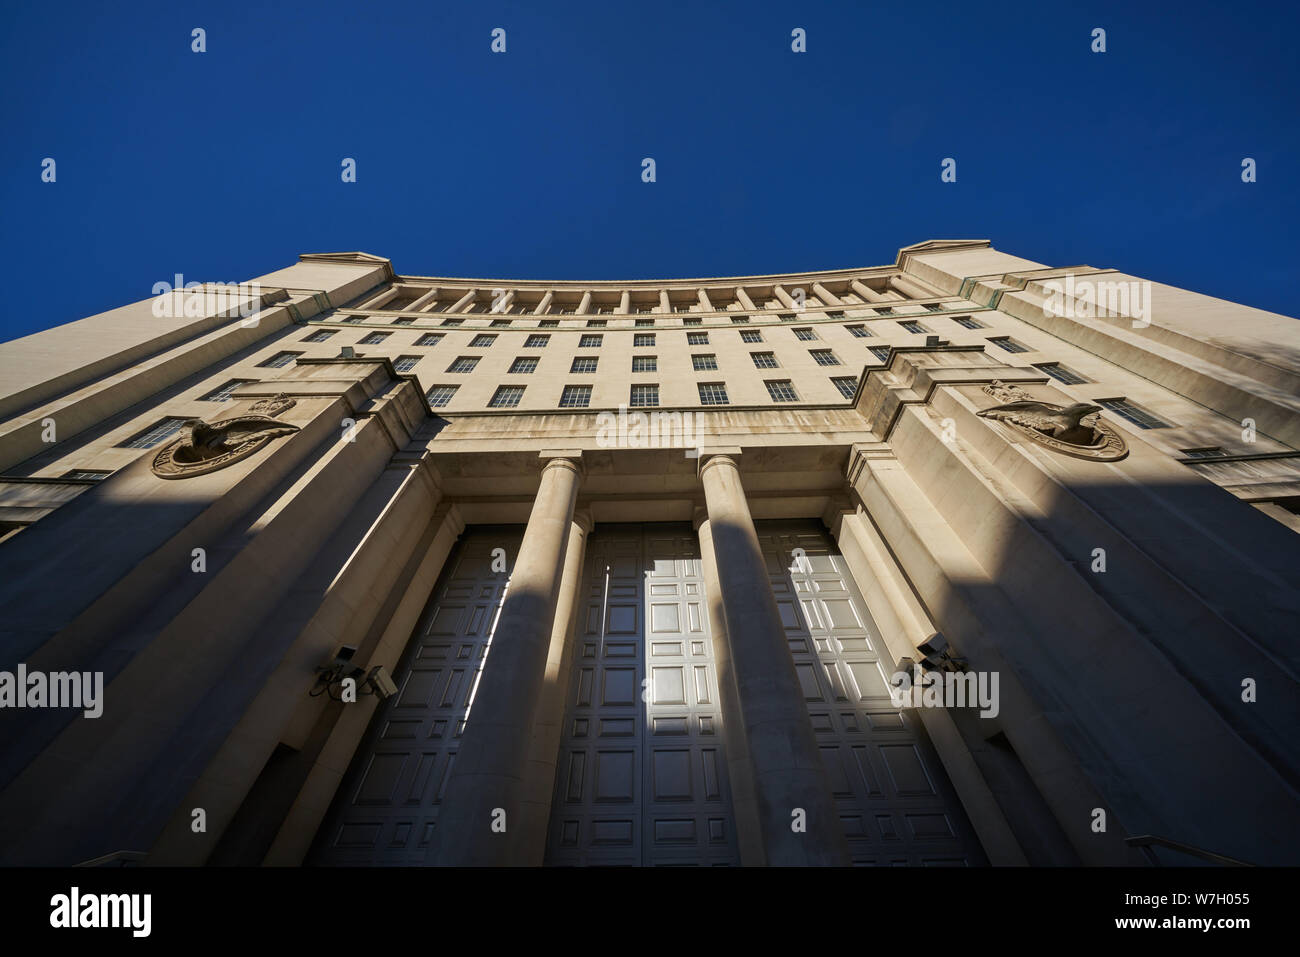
(224, 165)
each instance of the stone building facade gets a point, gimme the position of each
(398, 570)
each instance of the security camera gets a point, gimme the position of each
(936, 645)
(380, 683)
(937, 655)
(907, 667)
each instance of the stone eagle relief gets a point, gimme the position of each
(208, 446)
(1073, 430)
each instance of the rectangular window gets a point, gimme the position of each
(499, 323)
(824, 357)
(575, 397)
(537, 341)
(764, 360)
(697, 338)
(880, 352)
(222, 393)
(884, 311)
(859, 332)
(643, 323)
(911, 325)
(582, 364)
(482, 341)
(352, 318)
(1134, 413)
(597, 323)
(1062, 373)
(452, 322)
(429, 339)
(645, 364)
(524, 364)
(691, 322)
(805, 334)
(403, 322)
(320, 335)
(156, 434)
(506, 397)
(373, 338)
(933, 306)
(781, 390)
(713, 393)
(589, 342)
(405, 363)
(847, 384)
(785, 317)
(643, 339)
(279, 360)
(92, 474)
(645, 396)
(1009, 344)
(463, 364)
(751, 335)
(440, 395)
(704, 363)
(549, 324)
(740, 320)
(967, 322)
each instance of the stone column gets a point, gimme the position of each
(740, 768)
(506, 302)
(481, 820)
(825, 295)
(866, 292)
(788, 773)
(785, 297)
(463, 301)
(547, 725)
(912, 288)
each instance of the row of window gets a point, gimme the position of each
(539, 341)
(911, 325)
(642, 395)
(479, 302)
(700, 362)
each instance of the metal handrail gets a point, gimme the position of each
(1145, 841)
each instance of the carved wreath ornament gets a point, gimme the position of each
(208, 446)
(1072, 430)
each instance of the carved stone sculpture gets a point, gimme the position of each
(204, 447)
(1073, 430)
